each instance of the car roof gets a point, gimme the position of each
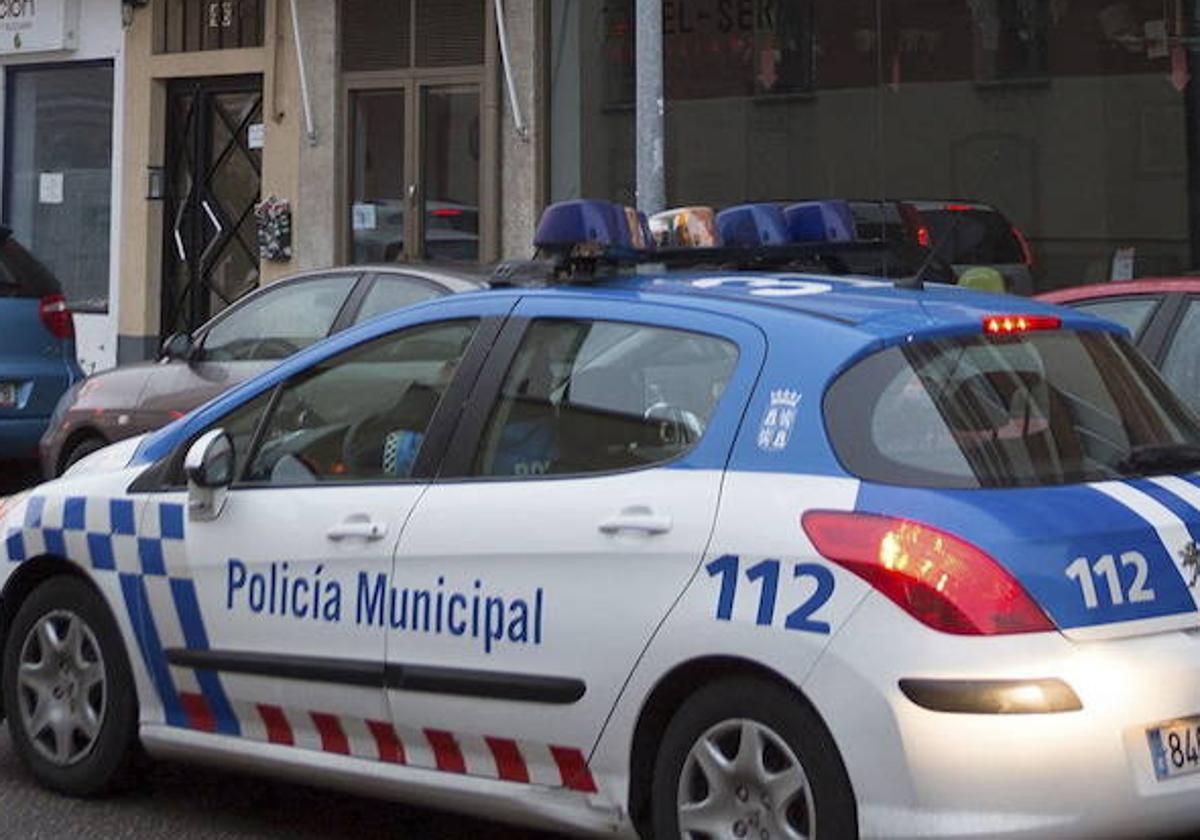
(878, 309)
(1122, 288)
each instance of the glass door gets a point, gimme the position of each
(414, 179)
(449, 186)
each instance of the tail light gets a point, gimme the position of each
(938, 579)
(915, 223)
(1009, 324)
(56, 317)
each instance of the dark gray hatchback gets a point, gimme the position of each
(244, 340)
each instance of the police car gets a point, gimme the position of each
(699, 554)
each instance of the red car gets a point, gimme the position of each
(1162, 315)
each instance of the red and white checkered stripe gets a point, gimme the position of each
(488, 756)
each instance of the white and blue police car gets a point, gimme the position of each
(701, 554)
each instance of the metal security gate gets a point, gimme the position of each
(213, 183)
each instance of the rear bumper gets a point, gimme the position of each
(1085, 774)
(19, 437)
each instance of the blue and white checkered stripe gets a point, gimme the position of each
(143, 544)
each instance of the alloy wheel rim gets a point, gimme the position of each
(62, 688)
(742, 781)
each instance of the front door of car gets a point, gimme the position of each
(575, 504)
(257, 609)
(246, 340)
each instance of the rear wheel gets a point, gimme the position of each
(745, 758)
(68, 690)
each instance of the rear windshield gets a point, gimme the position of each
(977, 411)
(21, 275)
(977, 237)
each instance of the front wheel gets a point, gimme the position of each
(746, 759)
(68, 690)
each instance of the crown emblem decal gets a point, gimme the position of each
(778, 420)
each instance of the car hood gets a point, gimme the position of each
(121, 387)
(109, 459)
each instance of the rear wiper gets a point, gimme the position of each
(1160, 456)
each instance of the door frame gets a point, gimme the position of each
(414, 82)
(199, 143)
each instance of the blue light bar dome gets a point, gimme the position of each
(587, 224)
(752, 225)
(820, 221)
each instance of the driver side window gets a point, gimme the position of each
(361, 416)
(278, 322)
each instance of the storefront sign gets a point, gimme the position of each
(38, 25)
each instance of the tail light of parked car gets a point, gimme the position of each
(56, 316)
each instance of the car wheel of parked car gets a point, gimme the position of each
(68, 690)
(81, 450)
(747, 758)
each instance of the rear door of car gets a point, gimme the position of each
(576, 502)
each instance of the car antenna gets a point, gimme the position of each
(917, 281)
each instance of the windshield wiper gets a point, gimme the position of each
(1160, 456)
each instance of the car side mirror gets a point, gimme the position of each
(179, 346)
(209, 466)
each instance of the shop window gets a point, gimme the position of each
(58, 173)
(193, 25)
(398, 34)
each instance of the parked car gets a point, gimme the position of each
(37, 349)
(246, 339)
(969, 234)
(1161, 314)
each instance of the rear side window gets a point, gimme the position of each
(977, 237)
(21, 275)
(596, 396)
(976, 411)
(391, 293)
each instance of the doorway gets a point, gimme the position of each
(415, 169)
(213, 183)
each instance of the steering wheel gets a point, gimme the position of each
(677, 427)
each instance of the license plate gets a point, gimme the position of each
(8, 394)
(1175, 748)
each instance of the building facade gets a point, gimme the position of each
(60, 66)
(388, 129)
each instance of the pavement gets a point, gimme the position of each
(183, 802)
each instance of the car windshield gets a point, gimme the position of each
(978, 237)
(1040, 408)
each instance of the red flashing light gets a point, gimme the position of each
(1010, 324)
(56, 316)
(942, 581)
(446, 213)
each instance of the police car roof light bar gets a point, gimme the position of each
(753, 225)
(820, 221)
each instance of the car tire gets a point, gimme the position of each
(797, 785)
(73, 724)
(80, 451)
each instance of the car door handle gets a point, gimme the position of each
(361, 529)
(638, 518)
